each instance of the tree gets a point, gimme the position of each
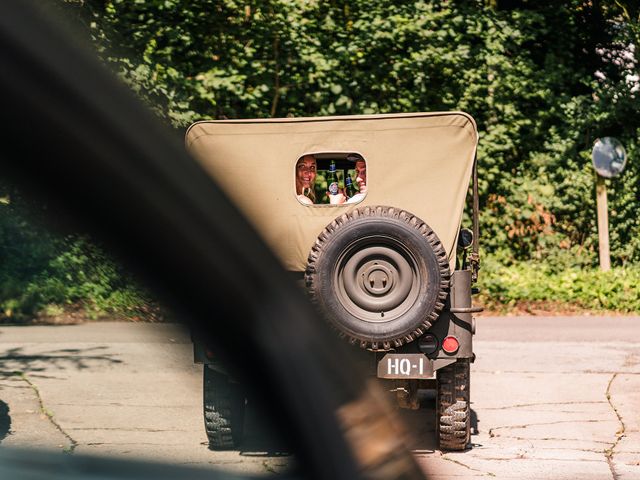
(543, 79)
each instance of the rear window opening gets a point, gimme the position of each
(331, 178)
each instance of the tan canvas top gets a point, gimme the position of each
(420, 162)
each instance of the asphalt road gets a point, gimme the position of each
(552, 398)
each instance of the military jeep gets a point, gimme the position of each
(390, 268)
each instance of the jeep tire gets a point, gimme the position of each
(224, 409)
(379, 275)
(453, 411)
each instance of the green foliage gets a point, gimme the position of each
(42, 273)
(543, 80)
(82, 273)
(503, 287)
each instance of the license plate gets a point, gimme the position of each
(405, 365)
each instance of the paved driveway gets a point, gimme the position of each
(553, 398)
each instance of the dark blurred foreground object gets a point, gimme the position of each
(18, 464)
(72, 133)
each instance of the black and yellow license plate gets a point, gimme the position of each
(405, 365)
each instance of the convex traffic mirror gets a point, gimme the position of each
(609, 157)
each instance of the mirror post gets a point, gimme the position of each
(603, 224)
(609, 159)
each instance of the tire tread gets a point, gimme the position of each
(412, 222)
(223, 411)
(453, 406)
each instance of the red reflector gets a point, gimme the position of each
(209, 354)
(450, 344)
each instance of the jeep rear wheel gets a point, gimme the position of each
(224, 407)
(453, 421)
(379, 275)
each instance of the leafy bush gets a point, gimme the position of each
(81, 273)
(42, 273)
(505, 286)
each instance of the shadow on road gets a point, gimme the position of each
(261, 441)
(16, 360)
(5, 420)
(261, 438)
(474, 422)
(422, 423)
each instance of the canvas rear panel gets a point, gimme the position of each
(421, 163)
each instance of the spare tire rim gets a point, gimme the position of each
(376, 279)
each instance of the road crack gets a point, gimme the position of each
(123, 429)
(540, 404)
(609, 452)
(457, 462)
(49, 414)
(559, 422)
(553, 439)
(268, 467)
(560, 372)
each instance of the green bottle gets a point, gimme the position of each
(351, 189)
(332, 179)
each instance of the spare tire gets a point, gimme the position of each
(379, 275)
